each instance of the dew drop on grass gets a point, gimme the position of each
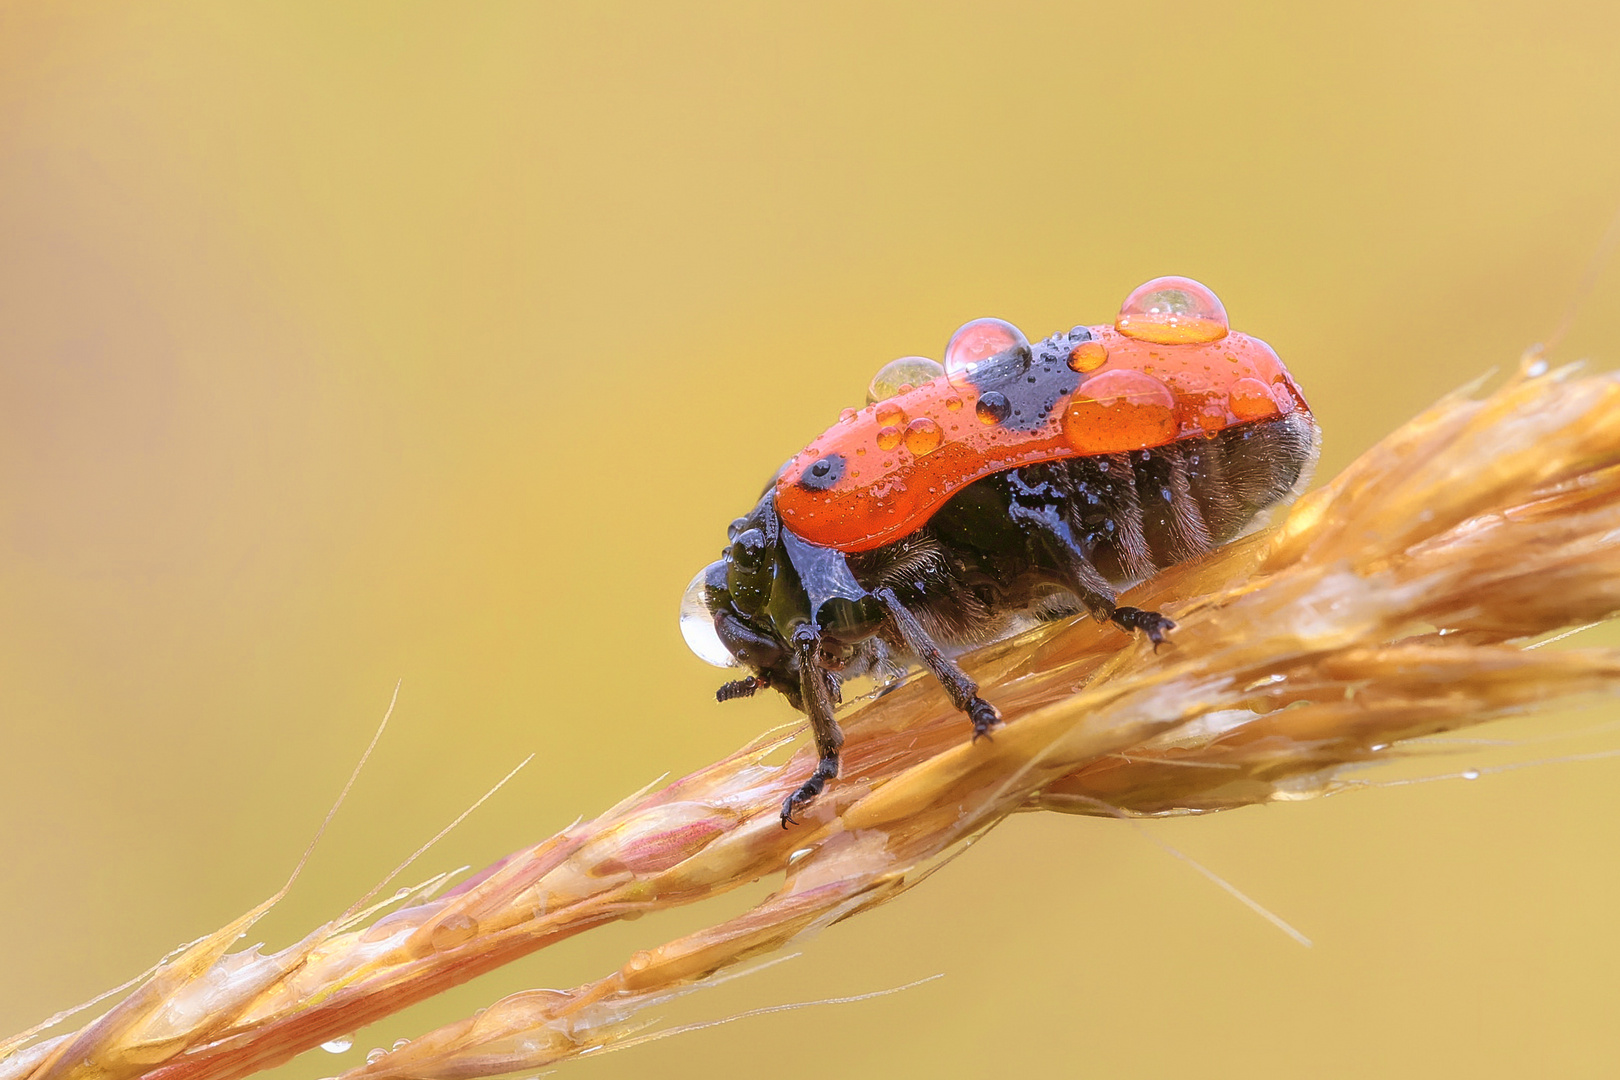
(339, 1044)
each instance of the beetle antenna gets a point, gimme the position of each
(742, 688)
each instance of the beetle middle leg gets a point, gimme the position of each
(963, 690)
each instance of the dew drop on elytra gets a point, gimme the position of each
(980, 341)
(923, 436)
(1087, 356)
(1172, 311)
(897, 376)
(992, 408)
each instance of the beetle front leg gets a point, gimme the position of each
(816, 692)
(963, 690)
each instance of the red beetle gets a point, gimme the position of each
(1012, 482)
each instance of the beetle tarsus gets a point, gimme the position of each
(984, 716)
(826, 770)
(1151, 623)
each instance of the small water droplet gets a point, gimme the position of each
(847, 416)
(453, 930)
(1251, 400)
(923, 436)
(1470, 774)
(1536, 369)
(992, 408)
(399, 1043)
(1377, 746)
(1087, 356)
(339, 1044)
(888, 438)
(953, 404)
(375, 1055)
(889, 414)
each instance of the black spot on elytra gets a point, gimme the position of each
(823, 473)
(1034, 380)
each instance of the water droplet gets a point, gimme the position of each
(923, 436)
(992, 408)
(1172, 311)
(399, 1043)
(338, 1045)
(1087, 356)
(1251, 400)
(889, 414)
(640, 961)
(978, 341)
(888, 438)
(453, 930)
(375, 1055)
(898, 376)
(697, 624)
(953, 404)
(1118, 411)
(1377, 746)
(1470, 774)
(847, 416)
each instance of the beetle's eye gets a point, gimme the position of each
(979, 341)
(1172, 311)
(908, 371)
(697, 623)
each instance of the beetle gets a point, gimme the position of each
(1014, 482)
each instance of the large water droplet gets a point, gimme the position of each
(1172, 311)
(889, 437)
(1118, 411)
(697, 624)
(980, 341)
(338, 1045)
(906, 371)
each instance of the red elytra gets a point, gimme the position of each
(1144, 393)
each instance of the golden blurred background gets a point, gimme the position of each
(345, 344)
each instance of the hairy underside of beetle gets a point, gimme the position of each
(1001, 553)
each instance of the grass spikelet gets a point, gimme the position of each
(1391, 604)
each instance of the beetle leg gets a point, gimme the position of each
(814, 686)
(963, 690)
(1149, 622)
(1084, 580)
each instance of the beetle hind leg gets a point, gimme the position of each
(1084, 580)
(1151, 623)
